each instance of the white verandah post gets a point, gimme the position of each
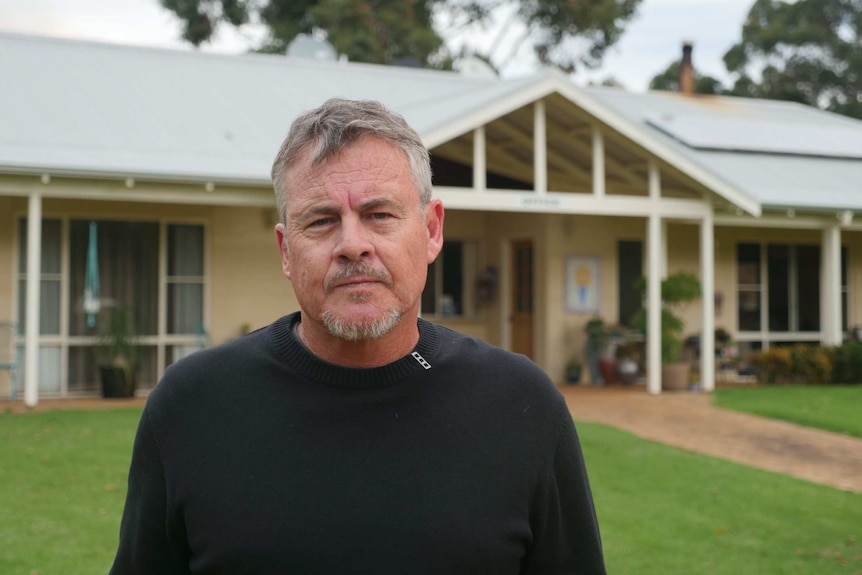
(655, 263)
(479, 159)
(540, 148)
(707, 280)
(830, 286)
(34, 277)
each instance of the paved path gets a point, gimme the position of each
(688, 421)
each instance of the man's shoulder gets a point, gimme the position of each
(207, 370)
(492, 365)
(473, 349)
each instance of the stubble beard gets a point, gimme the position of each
(361, 329)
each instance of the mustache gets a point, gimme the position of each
(352, 270)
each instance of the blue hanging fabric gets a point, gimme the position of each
(92, 303)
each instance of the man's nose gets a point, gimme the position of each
(355, 241)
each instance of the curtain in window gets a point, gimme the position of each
(128, 272)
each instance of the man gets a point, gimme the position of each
(352, 437)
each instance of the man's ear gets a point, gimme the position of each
(434, 224)
(282, 248)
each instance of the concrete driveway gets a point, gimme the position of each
(687, 420)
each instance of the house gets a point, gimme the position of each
(557, 197)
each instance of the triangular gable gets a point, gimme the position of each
(466, 112)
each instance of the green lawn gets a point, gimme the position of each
(831, 407)
(662, 510)
(62, 486)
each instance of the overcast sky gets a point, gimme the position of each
(651, 41)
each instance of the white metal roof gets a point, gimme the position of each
(90, 108)
(98, 109)
(784, 154)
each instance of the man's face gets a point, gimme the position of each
(355, 244)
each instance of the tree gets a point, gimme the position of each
(382, 32)
(669, 81)
(808, 51)
(563, 33)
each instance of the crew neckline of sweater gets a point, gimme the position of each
(289, 349)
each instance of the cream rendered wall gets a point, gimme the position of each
(583, 236)
(8, 263)
(247, 287)
(466, 225)
(558, 336)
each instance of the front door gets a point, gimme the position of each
(522, 297)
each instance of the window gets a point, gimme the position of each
(630, 270)
(185, 279)
(153, 269)
(748, 291)
(792, 287)
(448, 290)
(50, 290)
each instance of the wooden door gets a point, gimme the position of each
(522, 297)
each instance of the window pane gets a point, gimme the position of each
(808, 287)
(185, 308)
(749, 310)
(49, 312)
(185, 250)
(51, 250)
(128, 271)
(147, 372)
(83, 369)
(49, 369)
(778, 273)
(630, 266)
(748, 264)
(49, 307)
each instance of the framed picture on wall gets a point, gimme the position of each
(582, 284)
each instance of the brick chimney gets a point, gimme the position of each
(686, 70)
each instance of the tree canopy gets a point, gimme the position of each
(562, 33)
(668, 80)
(807, 51)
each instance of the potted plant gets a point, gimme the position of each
(573, 370)
(676, 290)
(595, 330)
(118, 354)
(628, 361)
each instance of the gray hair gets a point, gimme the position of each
(326, 131)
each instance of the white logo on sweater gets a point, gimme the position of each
(421, 360)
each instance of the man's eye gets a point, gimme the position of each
(320, 222)
(381, 215)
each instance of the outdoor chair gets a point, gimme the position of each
(9, 355)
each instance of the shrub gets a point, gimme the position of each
(676, 290)
(801, 363)
(811, 364)
(774, 365)
(847, 363)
